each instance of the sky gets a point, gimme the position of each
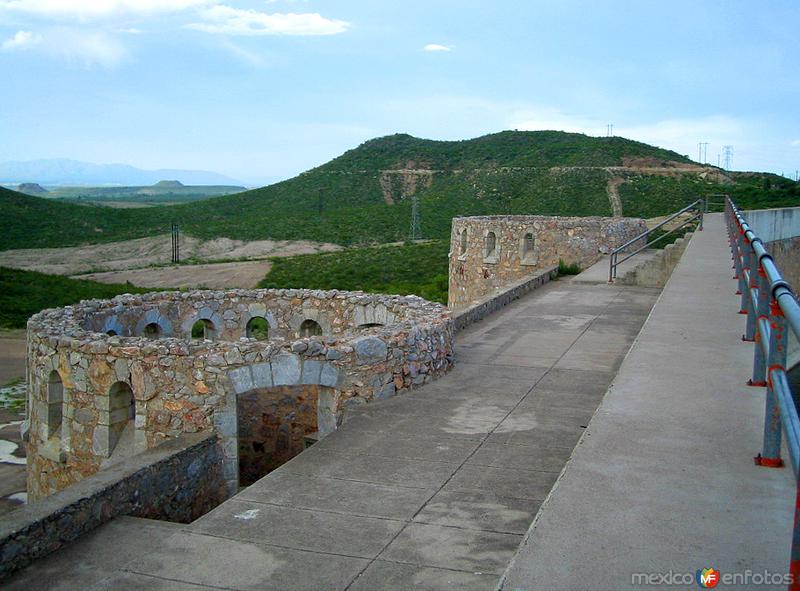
(261, 90)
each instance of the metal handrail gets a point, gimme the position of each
(771, 308)
(614, 260)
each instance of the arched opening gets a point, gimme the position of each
(203, 329)
(275, 423)
(55, 404)
(491, 245)
(152, 330)
(122, 414)
(111, 333)
(310, 328)
(528, 244)
(257, 328)
(463, 245)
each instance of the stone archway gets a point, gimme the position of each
(275, 424)
(270, 407)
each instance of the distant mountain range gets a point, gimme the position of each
(65, 172)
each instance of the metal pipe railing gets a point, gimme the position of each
(772, 310)
(699, 207)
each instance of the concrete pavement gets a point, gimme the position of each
(429, 490)
(664, 479)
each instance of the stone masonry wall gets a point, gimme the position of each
(179, 481)
(372, 347)
(476, 273)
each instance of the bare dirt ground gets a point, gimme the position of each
(12, 355)
(146, 252)
(212, 276)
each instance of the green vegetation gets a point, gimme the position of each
(419, 269)
(258, 328)
(351, 200)
(24, 293)
(565, 269)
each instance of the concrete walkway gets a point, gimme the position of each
(664, 478)
(429, 490)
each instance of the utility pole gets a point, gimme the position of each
(718, 162)
(702, 152)
(727, 152)
(415, 233)
(176, 244)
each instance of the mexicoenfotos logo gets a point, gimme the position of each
(707, 578)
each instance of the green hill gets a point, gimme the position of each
(363, 196)
(24, 293)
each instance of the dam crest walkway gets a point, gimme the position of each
(443, 488)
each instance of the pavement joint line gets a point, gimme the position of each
(315, 510)
(171, 580)
(361, 455)
(451, 569)
(379, 517)
(273, 545)
(355, 480)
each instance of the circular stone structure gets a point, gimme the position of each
(109, 378)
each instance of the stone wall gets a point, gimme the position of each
(178, 481)
(523, 246)
(95, 398)
(482, 308)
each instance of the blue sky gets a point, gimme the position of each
(261, 90)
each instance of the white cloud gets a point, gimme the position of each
(795, 143)
(83, 47)
(234, 21)
(437, 47)
(97, 9)
(130, 31)
(21, 40)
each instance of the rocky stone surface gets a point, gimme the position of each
(184, 385)
(477, 271)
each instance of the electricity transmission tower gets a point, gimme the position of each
(415, 233)
(610, 130)
(727, 152)
(702, 152)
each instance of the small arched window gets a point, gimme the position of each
(152, 330)
(111, 333)
(203, 329)
(55, 404)
(310, 328)
(257, 328)
(491, 245)
(122, 412)
(463, 242)
(528, 244)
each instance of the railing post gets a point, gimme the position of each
(744, 244)
(703, 208)
(759, 361)
(737, 259)
(770, 455)
(752, 285)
